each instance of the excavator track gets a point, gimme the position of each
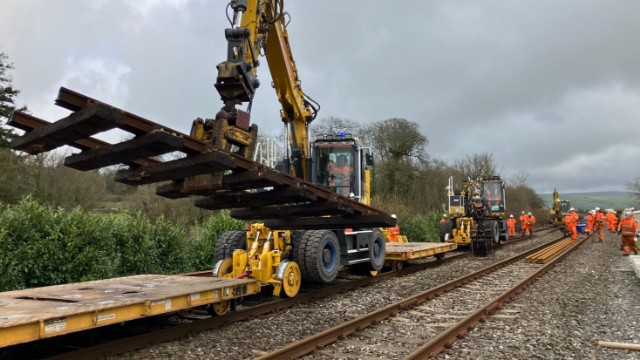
(253, 191)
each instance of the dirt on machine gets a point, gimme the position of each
(476, 215)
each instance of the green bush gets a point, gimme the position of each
(41, 245)
(421, 227)
(205, 235)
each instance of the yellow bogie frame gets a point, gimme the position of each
(393, 264)
(265, 260)
(462, 231)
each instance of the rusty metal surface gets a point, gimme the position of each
(136, 342)
(227, 179)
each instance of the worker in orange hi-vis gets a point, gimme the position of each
(394, 231)
(590, 219)
(612, 220)
(599, 223)
(571, 225)
(511, 225)
(628, 228)
(444, 219)
(523, 223)
(530, 220)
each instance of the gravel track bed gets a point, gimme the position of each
(409, 329)
(591, 295)
(251, 338)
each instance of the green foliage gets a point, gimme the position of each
(420, 227)
(7, 99)
(205, 237)
(41, 245)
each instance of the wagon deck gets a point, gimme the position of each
(416, 250)
(32, 314)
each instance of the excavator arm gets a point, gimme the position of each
(262, 30)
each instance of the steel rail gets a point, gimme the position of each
(311, 343)
(120, 346)
(449, 336)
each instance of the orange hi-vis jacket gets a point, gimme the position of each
(599, 221)
(570, 221)
(611, 219)
(511, 223)
(393, 233)
(523, 220)
(574, 214)
(629, 227)
(590, 219)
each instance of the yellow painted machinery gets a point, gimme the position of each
(476, 215)
(558, 210)
(306, 250)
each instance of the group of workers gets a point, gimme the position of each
(527, 220)
(599, 221)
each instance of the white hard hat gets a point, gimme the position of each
(511, 215)
(572, 209)
(529, 213)
(597, 208)
(393, 216)
(628, 213)
(522, 212)
(445, 215)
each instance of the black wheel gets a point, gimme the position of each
(495, 233)
(319, 256)
(376, 255)
(296, 240)
(377, 250)
(227, 243)
(480, 248)
(445, 228)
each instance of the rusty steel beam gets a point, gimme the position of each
(153, 144)
(79, 125)
(201, 172)
(264, 198)
(177, 169)
(286, 211)
(29, 123)
(334, 222)
(132, 123)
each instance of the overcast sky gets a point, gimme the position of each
(550, 87)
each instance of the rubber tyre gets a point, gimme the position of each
(296, 240)
(480, 248)
(445, 228)
(319, 256)
(227, 243)
(495, 231)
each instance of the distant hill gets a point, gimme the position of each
(605, 200)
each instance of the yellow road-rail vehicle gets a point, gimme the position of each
(476, 215)
(313, 214)
(558, 210)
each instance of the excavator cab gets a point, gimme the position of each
(340, 164)
(493, 195)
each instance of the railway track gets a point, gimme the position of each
(118, 339)
(423, 325)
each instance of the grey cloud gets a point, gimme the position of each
(540, 84)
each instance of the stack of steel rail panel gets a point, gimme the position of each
(252, 190)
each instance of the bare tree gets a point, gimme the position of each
(476, 165)
(634, 187)
(519, 179)
(397, 139)
(333, 125)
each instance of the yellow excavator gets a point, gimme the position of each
(559, 209)
(338, 162)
